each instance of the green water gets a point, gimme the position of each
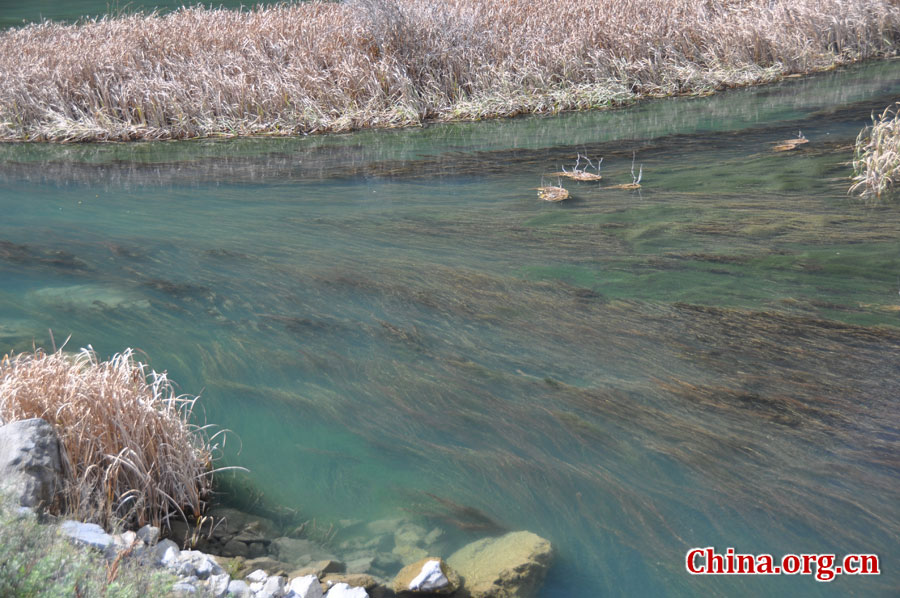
(709, 361)
(14, 13)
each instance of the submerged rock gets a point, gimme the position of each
(11, 330)
(360, 563)
(270, 565)
(511, 566)
(235, 549)
(428, 576)
(384, 526)
(88, 297)
(298, 552)
(408, 553)
(410, 534)
(361, 580)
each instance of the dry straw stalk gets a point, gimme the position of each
(876, 167)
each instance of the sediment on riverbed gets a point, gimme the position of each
(337, 66)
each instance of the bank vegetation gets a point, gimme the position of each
(876, 165)
(130, 451)
(336, 66)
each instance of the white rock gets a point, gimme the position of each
(184, 568)
(257, 576)
(305, 587)
(272, 588)
(149, 535)
(218, 584)
(204, 565)
(120, 543)
(89, 534)
(161, 549)
(342, 590)
(430, 578)
(238, 589)
(183, 588)
(169, 558)
(25, 513)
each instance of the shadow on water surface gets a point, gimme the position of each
(405, 328)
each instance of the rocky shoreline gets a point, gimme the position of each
(245, 555)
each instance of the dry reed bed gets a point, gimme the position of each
(876, 166)
(325, 66)
(128, 447)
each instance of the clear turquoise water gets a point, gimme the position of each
(709, 361)
(14, 13)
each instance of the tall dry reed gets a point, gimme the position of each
(333, 66)
(876, 166)
(129, 449)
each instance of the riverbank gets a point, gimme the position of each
(228, 552)
(329, 67)
(72, 425)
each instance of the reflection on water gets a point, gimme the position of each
(389, 320)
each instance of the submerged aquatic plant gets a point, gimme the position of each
(876, 164)
(460, 516)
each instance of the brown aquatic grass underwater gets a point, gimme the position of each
(876, 166)
(129, 451)
(335, 66)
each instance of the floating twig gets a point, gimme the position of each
(635, 180)
(581, 174)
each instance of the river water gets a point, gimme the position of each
(393, 324)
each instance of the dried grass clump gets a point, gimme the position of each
(553, 194)
(791, 144)
(130, 451)
(333, 66)
(876, 167)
